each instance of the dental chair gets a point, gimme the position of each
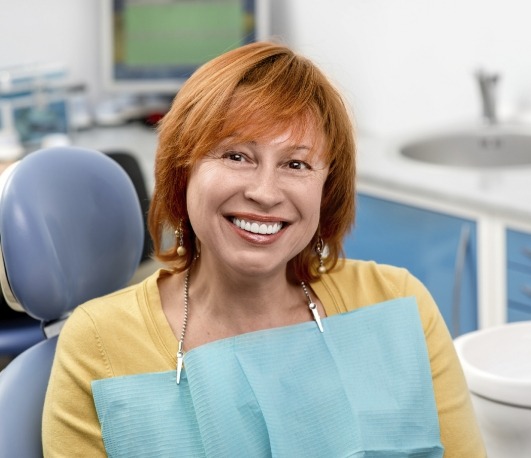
(71, 229)
(19, 331)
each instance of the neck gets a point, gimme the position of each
(225, 310)
(228, 294)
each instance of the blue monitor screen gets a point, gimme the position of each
(157, 44)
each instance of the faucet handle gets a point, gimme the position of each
(487, 87)
(484, 76)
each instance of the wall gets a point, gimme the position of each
(408, 65)
(403, 65)
(42, 31)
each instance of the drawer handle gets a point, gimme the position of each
(459, 272)
(527, 251)
(526, 289)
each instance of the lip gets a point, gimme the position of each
(258, 218)
(253, 238)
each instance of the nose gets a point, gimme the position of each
(264, 188)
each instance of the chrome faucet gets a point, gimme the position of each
(487, 87)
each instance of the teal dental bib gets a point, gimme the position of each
(362, 388)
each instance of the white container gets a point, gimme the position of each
(497, 366)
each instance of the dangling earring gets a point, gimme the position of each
(320, 248)
(181, 250)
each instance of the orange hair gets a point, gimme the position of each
(276, 88)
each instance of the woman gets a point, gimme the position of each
(259, 340)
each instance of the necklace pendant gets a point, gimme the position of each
(313, 307)
(316, 316)
(180, 357)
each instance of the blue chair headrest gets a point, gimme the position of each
(71, 229)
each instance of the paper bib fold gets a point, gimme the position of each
(362, 388)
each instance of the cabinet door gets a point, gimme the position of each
(437, 248)
(518, 276)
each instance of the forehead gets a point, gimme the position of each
(293, 133)
(284, 136)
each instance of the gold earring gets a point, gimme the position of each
(181, 250)
(320, 249)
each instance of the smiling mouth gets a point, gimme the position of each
(257, 227)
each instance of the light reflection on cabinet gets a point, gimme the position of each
(518, 275)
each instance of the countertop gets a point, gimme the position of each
(504, 192)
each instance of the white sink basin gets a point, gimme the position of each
(497, 362)
(481, 147)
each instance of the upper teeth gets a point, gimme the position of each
(257, 228)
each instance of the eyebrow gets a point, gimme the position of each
(227, 141)
(287, 148)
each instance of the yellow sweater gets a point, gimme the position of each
(127, 333)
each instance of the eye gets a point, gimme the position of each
(299, 165)
(234, 156)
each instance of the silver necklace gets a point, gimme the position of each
(180, 352)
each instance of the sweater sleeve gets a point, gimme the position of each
(70, 423)
(460, 433)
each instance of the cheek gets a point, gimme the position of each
(309, 201)
(197, 197)
(207, 189)
(317, 197)
(199, 185)
(314, 192)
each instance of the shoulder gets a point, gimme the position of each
(354, 284)
(103, 315)
(110, 304)
(108, 308)
(369, 282)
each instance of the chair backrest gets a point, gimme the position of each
(130, 164)
(71, 229)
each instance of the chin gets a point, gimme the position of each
(255, 268)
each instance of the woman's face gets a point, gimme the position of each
(255, 205)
